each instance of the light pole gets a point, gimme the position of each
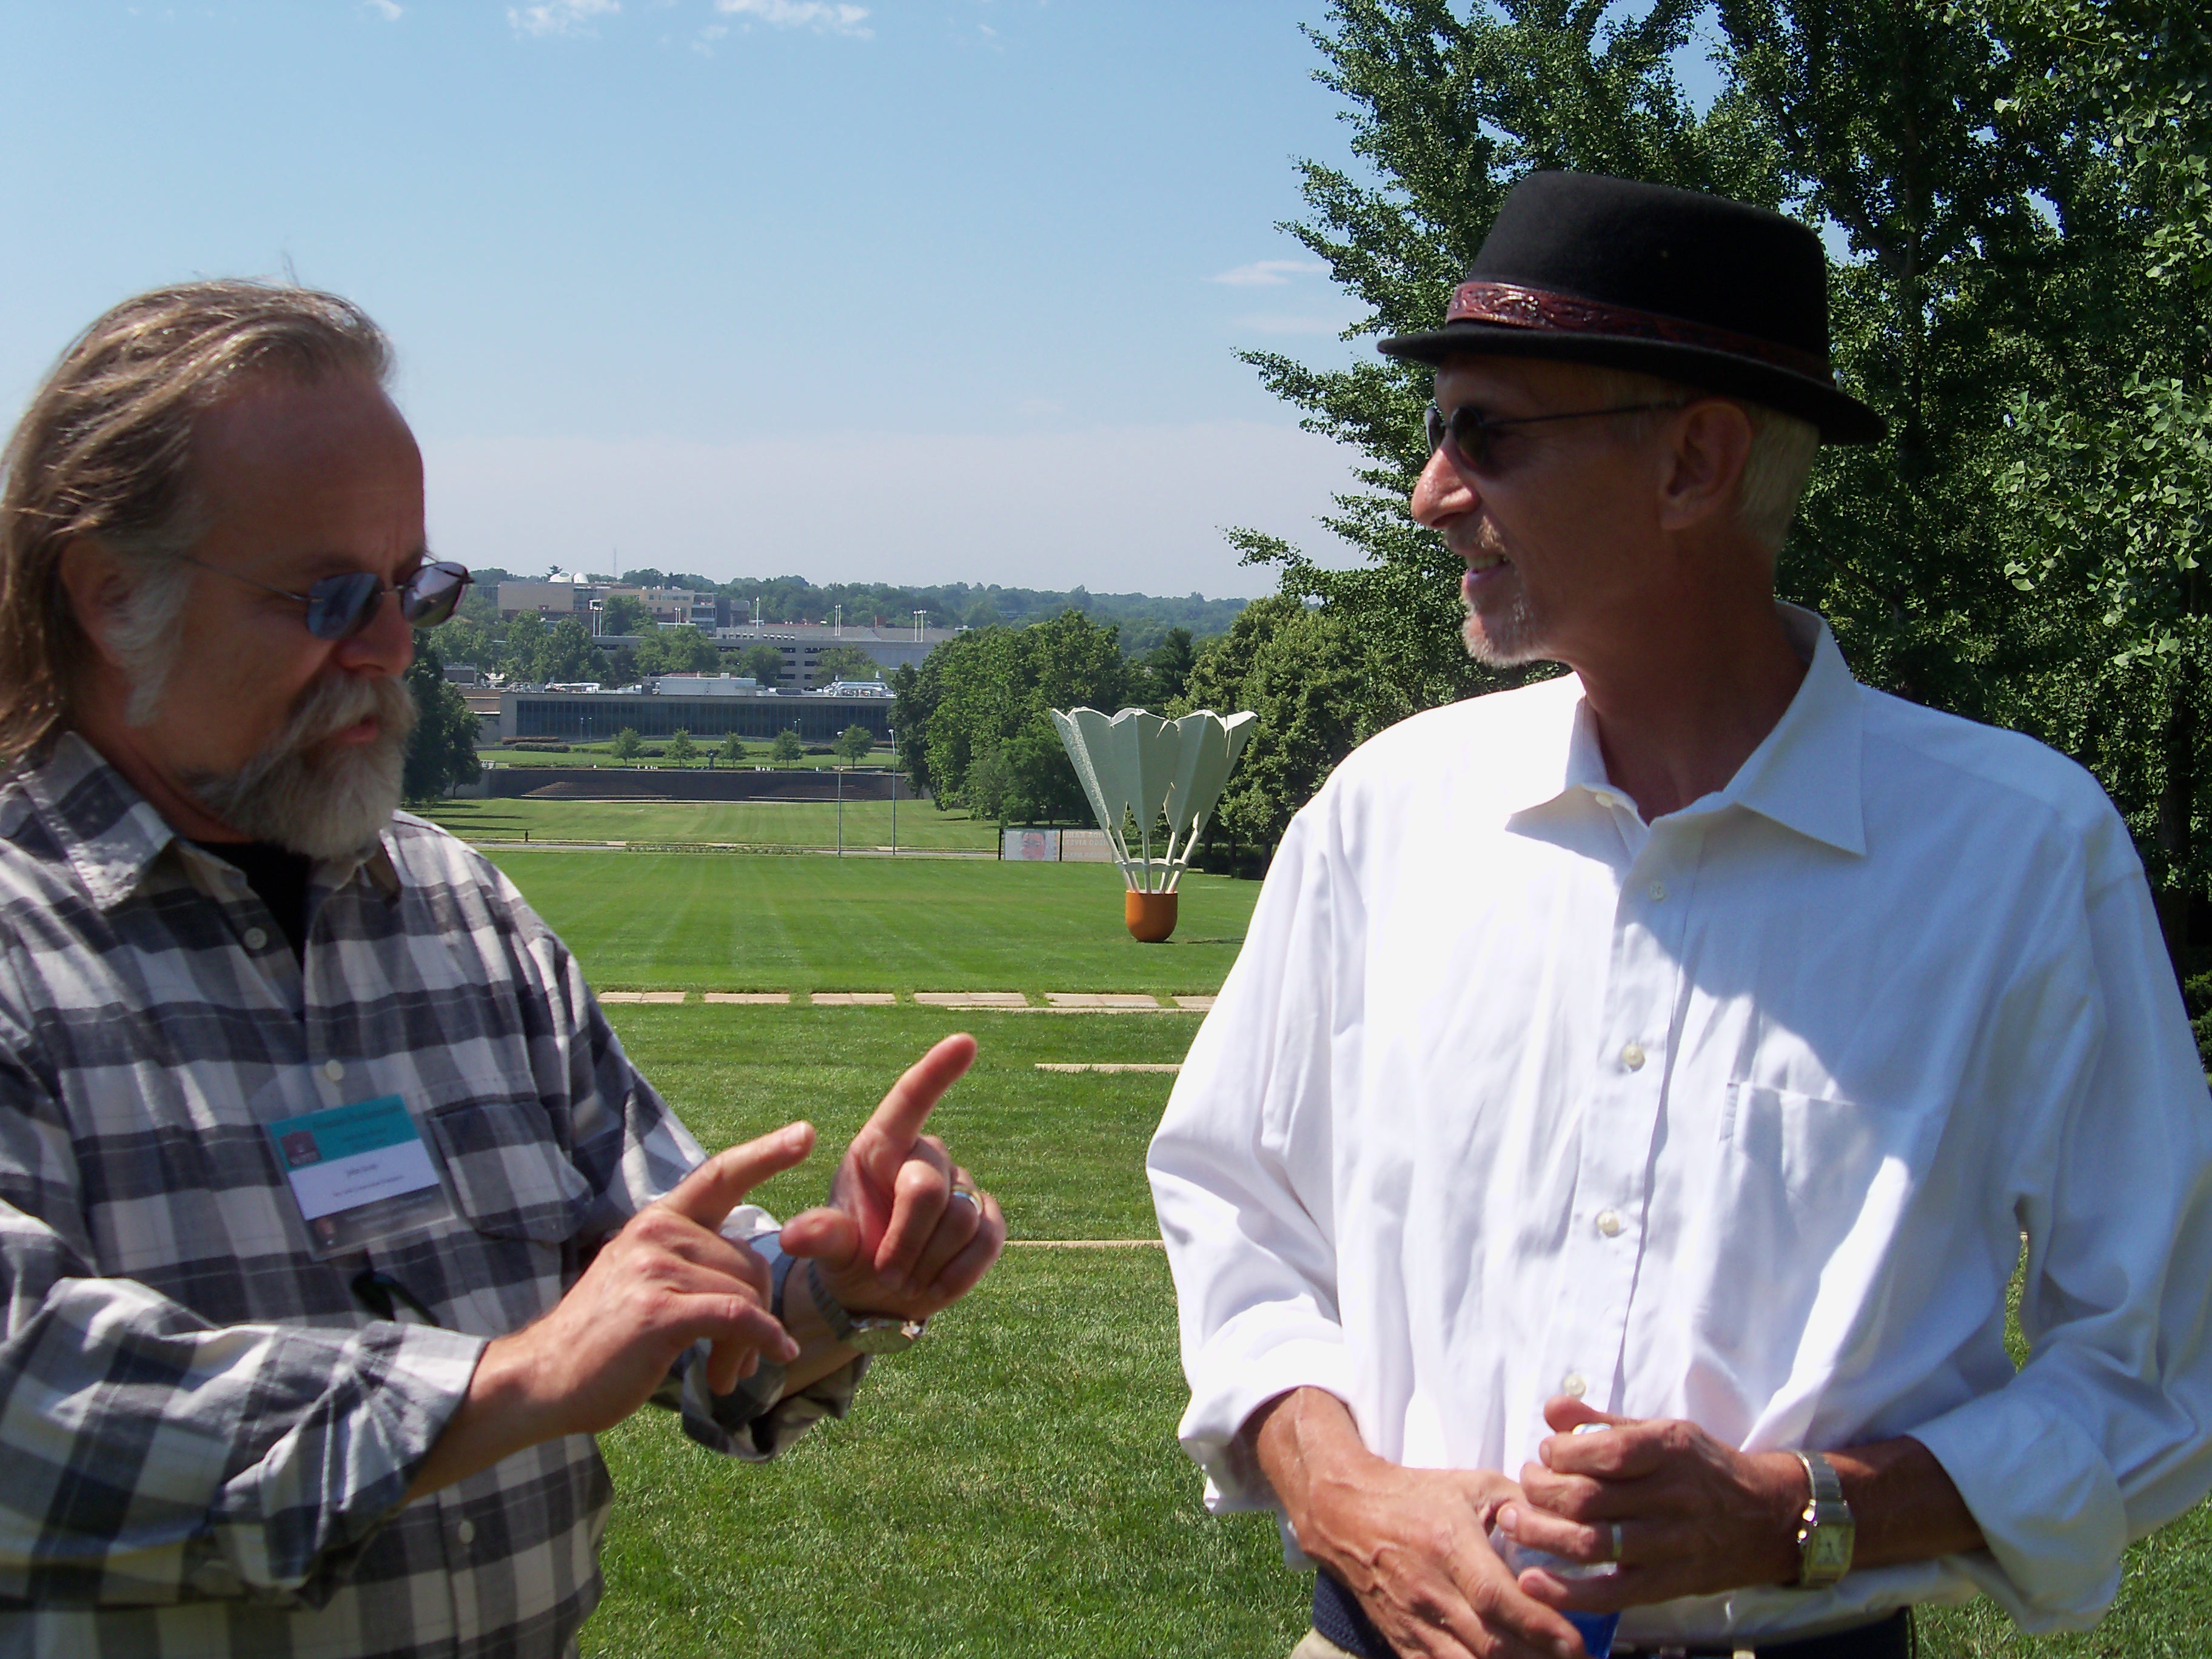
(841, 811)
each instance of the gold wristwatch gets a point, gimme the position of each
(1826, 1532)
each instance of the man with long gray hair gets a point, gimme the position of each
(334, 1221)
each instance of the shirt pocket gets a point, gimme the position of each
(507, 1175)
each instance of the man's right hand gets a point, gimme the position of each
(666, 1280)
(1412, 1544)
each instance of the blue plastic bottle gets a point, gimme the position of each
(1596, 1629)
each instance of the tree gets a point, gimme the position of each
(681, 748)
(1167, 667)
(854, 744)
(763, 662)
(988, 690)
(731, 749)
(788, 748)
(442, 751)
(625, 613)
(682, 650)
(627, 745)
(568, 656)
(845, 662)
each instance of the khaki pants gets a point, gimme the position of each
(1315, 1646)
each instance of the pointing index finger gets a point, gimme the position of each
(717, 1186)
(897, 1121)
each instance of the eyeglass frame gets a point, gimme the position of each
(1438, 427)
(366, 613)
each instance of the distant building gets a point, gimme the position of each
(802, 642)
(574, 716)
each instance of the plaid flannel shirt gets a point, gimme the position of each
(205, 1437)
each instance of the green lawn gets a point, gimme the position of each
(738, 823)
(1012, 1487)
(811, 923)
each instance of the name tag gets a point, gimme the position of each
(358, 1172)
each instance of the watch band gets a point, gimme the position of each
(1827, 1530)
(869, 1333)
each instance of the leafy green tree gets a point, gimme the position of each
(567, 654)
(466, 640)
(681, 748)
(764, 663)
(442, 751)
(625, 613)
(988, 691)
(854, 744)
(788, 748)
(627, 745)
(1304, 669)
(845, 662)
(1167, 667)
(682, 650)
(522, 646)
(731, 749)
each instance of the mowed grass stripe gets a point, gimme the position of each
(651, 920)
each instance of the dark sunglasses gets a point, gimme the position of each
(1470, 431)
(339, 607)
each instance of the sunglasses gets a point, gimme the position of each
(1472, 433)
(339, 607)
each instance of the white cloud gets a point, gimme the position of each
(820, 16)
(1265, 273)
(560, 16)
(389, 11)
(1116, 508)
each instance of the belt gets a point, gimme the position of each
(1337, 1615)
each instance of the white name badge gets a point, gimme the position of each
(358, 1172)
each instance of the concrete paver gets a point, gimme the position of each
(854, 998)
(749, 999)
(971, 998)
(643, 996)
(1103, 1066)
(1100, 999)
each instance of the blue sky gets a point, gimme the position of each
(917, 290)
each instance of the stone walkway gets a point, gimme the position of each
(1001, 1002)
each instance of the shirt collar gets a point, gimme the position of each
(112, 836)
(1804, 775)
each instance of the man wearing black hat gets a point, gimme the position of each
(1686, 1048)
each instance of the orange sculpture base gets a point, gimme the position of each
(1151, 916)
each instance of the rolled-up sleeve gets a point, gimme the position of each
(2102, 1437)
(1240, 1167)
(151, 1455)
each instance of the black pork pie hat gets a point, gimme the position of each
(1582, 268)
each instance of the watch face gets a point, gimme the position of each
(882, 1335)
(1828, 1551)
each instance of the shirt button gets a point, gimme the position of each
(335, 1070)
(255, 938)
(1608, 1222)
(1572, 1384)
(1631, 1057)
(466, 1532)
(1658, 890)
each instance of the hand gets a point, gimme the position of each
(1697, 1517)
(893, 1239)
(1412, 1544)
(664, 1281)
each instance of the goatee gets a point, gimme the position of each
(303, 792)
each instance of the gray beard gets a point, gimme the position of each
(1506, 642)
(303, 793)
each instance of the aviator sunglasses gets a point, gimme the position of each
(1472, 432)
(339, 607)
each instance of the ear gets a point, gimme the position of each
(1712, 441)
(97, 588)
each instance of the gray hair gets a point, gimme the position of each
(1783, 449)
(104, 452)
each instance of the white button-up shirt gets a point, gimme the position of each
(1739, 1117)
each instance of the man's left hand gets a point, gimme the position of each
(906, 1231)
(1696, 1517)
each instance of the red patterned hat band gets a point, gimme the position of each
(1508, 305)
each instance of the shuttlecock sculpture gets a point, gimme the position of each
(1137, 769)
